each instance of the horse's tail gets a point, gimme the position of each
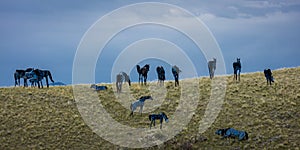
(246, 136)
(138, 69)
(131, 107)
(150, 117)
(16, 78)
(50, 76)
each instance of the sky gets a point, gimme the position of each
(46, 34)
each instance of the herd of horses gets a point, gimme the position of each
(143, 73)
(35, 77)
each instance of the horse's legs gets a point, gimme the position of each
(141, 109)
(47, 83)
(145, 79)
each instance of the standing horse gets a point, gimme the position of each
(45, 74)
(212, 67)
(139, 103)
(161, 74)
(159, 117)
(143, 72)
(21, 74)
(237, 67)
(120, 78)
(175, 72)
(268, 75)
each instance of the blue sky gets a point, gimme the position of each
(45, 34)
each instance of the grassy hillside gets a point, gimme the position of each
(48, 118)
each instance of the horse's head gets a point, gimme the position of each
(214, 59)
(147, 66)
(165, 116)
(220, 132)
(238, 60)
(93, 86)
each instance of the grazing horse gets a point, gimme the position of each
(159, 117)
(45, 74)
(139, 103)
(212, 67)
(120, 78)
(268, 75)
(161, 74)
(143, 72)
(232, 133)
(175, 72)
(237, 67)
(21, 74)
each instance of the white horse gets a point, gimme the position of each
(139, 103)
(212, 67)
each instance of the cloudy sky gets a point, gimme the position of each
(46, 34)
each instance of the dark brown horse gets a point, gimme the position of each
(21, 74)
(160, 74)
(143, 72)
(237, 67)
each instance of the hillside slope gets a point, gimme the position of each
(49, 118)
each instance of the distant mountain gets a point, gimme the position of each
(57, 84)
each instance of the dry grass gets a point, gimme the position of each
(48, 118)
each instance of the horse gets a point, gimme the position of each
(45, 74)
(98, 88)
(143, 72)
(268, 75)
(237, 67)
(175, 72)
(232, 133)
(139, 103)
(159, 117)
(35, 78)
(212, 67)
(160, 74)
(120, 78)
(18, 74)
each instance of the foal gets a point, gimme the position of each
(159, 117)
(139, 103)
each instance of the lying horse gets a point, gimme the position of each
(159, 117)
(139, 103)
(98, 88)
(268, 75)
(232, 133)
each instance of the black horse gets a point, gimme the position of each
(237, 67)
(159, 117)
(268, 75)
(44, 74)
(21, 74)
(120, 78)
(175, 72)
(143, 72)
(160, 74)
